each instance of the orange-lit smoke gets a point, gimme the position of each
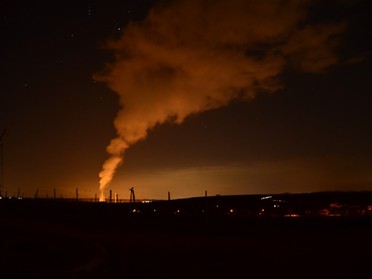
(190, 56)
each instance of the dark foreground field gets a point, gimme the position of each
(74, 240)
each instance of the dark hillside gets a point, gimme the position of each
(69, 239)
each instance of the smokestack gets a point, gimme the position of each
(110, 196)
(54, 193)
(77, 194)
(2, 138)
(188, 57)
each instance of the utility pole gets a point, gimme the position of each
(132, 200)
(132, 195)
(2, 138)
(206, 207)
(169, 203)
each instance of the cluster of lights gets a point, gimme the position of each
(146, 201)
(292, 215)
(11, 198)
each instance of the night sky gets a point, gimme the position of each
(232, 97)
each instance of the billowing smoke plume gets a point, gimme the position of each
(190, 56)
